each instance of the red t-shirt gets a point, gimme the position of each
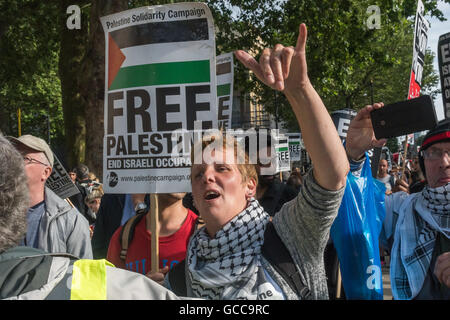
(172, 249)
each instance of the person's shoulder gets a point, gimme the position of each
(397, 199)
(54, 203)
(400, 196)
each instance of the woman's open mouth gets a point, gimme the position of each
(211, 195)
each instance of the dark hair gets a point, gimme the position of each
(14, 198)
(82, 171)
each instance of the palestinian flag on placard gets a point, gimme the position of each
(149, 54)
(224, 70)
(225, 78)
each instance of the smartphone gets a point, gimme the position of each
(404, 117)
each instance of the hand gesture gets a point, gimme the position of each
(158, 276)
(281, 68)
(360, 135)
(285, 69)
(401, 185)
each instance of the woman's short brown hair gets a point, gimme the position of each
(247, 169)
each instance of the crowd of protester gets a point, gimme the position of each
(225, 239)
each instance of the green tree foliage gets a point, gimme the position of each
(29, 69)
(392, 145)
(345, 56)
(47, 70)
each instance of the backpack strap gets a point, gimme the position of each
(274, 250)
(127, 233)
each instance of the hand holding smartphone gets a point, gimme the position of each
(405, 117)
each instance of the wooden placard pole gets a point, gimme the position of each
(339, 283)
(154, 229)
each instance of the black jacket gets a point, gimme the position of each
(109, 216)
(275, 196)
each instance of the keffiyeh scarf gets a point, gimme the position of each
(228, 266)
(420, 218)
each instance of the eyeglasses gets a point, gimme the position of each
(434, 153)
(29, 160)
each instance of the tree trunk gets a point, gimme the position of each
(93, 84)
(72, 49)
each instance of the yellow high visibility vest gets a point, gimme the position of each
(89, 279)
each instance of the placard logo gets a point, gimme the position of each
(113, 179)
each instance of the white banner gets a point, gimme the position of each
(225, 77)
(282, 151)
(295, 146)
(420, 45)
(160, 78)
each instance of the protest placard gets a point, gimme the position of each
(295, 146)
(420, 45)
(160, 77)
(282, 151)
(419, 49)
(225, 77)
(341, 119)
(59, 181)
(444, 70)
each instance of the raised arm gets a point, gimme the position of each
(285, 69)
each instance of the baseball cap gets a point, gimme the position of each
(34, 143)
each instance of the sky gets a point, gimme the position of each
(438, 28)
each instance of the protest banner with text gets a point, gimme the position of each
(225, 76)
(283, 154)
(295, 146)
(59, 181)
(444, 70)
(160, 77)
(420, 45)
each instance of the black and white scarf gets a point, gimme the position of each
(420, 218)
(228, 266)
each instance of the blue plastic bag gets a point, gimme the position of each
(355, 234)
